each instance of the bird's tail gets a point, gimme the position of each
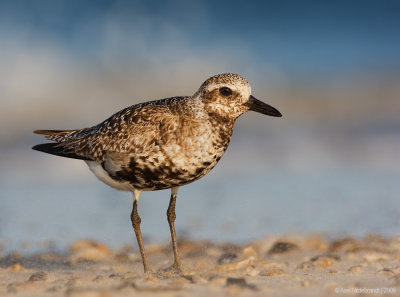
(58, 149)
(62, 147)
(56, 135)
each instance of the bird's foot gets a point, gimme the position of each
(173, 270)
(149, 274)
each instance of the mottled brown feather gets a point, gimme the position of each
(164, 143)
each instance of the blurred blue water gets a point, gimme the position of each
(246, 197)
(310, 40)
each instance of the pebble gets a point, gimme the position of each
(239, 265)
(272, 272)
(306, 265)
(345, 245)
(281, 247)
(355, 269)
(131, 275)
(239, 282)
(98, 278)
(16, 268)
(89, 250)
(249, 252)
(38, 276)
(324, 261)
(355, 257)
(375, 256)
(273, 264)
(115, 276)
(315, 243)
(226, 258)
(386, 271)
(122, 257)
(84, 244)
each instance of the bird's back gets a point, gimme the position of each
(154, 145)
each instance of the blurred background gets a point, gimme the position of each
(331, 165)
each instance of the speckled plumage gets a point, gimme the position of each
(164, 143)
(161, 144)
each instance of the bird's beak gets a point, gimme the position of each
(261, 107)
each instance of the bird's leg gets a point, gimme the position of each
(136, 226)
(177, 266)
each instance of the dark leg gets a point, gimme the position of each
(136, 226)
(177, 267)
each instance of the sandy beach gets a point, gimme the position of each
(275, 266)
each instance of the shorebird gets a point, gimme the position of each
(162, 144)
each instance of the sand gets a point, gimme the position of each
(274, 266)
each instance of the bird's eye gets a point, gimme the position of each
(224, 91)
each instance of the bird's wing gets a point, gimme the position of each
(132, 130)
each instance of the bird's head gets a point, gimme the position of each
(228, 96)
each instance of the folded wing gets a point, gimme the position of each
(132, 130)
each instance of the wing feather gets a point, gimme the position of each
(134, 130)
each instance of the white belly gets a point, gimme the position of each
(102, 175)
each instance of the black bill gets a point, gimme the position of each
(261, 107)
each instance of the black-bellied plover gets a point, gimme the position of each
(162, 144)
